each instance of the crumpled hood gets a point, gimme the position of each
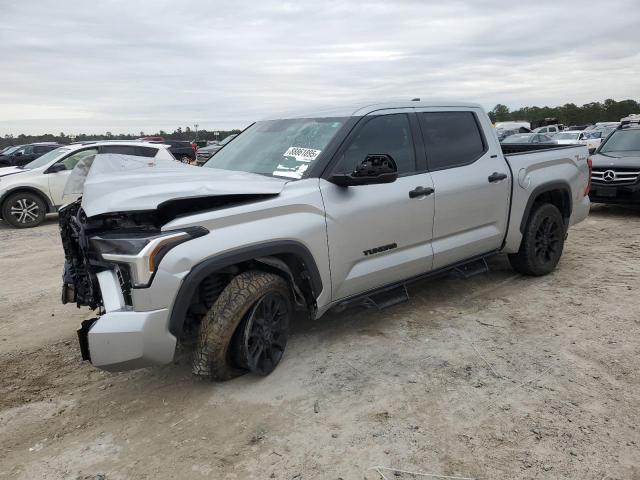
(134, 184)
(4, 171)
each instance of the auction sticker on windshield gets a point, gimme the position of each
(302, 154)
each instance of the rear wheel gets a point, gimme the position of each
(246, 329)
(24, 210)
(542, 242)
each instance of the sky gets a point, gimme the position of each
(80, 66)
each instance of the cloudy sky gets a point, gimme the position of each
(129, 66)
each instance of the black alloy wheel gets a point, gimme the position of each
(262, 336)
(547, 240)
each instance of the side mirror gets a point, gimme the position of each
(17, 154)
(375, 169)
(56, 167)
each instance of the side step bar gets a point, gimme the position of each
(471, 269)
(386, 298)
(395, 293)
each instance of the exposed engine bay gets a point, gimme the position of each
(82, 262)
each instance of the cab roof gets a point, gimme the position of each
(365, 108)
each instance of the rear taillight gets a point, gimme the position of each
(588, 187)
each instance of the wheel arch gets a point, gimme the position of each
(34, 190)
(555, 193)
(290, 258)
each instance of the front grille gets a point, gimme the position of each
(615, 176)
(203, 156)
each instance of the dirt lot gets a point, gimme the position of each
(496, 376)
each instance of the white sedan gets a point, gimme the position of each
(28, 193)
(590, 138)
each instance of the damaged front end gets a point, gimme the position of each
(107, 256)
(129, 244)
(83, 261)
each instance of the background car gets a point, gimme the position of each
(593, 138)
(548, 129)
(616, 167)
(9, 149)
(182, 150)
(205, 153)
(24, 154)
(151, 139)
(577, 127)
(528, 138)
(28, 193)
(504, 133)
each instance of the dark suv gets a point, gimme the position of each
(182, 150)
(24, 154)
(616, 167)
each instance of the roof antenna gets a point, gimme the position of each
(415, 99)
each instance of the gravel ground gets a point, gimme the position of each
(495, 376)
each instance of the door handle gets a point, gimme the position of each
(496, 177)
(421, 192)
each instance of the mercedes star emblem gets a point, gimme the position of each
(609, 176)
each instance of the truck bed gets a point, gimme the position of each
(516, 148)
(536, 166)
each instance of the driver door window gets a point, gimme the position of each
(384, 134)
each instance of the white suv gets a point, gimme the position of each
(28, 193)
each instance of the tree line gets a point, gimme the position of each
(569, 113)
(177, 134)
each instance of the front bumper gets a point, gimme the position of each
(615, 194)
(124, 339)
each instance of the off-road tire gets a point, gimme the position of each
(528, 260)
(214, 356)
(36, 204)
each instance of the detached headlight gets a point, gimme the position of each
(142, 251)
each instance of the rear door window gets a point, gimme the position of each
(43, 149)
(452, 139)
(129, 150)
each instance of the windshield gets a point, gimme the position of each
(517, 139)
(278, 148)
(10, 150)
(622, 141)
(46, 158)
(227, 139)
(567, 136)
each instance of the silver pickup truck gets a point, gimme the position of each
(305, 212)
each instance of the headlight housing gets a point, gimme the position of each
(141, 251)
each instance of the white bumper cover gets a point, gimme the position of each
(123, 339)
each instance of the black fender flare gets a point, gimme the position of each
(36, 191)
(544, 188)
(218, 262)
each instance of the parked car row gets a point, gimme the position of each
(590, 136)
(22, 154)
